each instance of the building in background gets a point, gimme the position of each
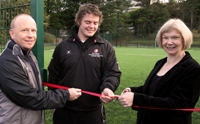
(161, 1)
(135, 6)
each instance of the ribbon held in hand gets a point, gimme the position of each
(66, 88)
(116, 96)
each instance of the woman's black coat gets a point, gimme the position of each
(178, 88)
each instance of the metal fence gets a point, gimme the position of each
(9, 9)
(116, 40)
(120, 40)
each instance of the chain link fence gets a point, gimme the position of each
(9, 9)
(130, 40)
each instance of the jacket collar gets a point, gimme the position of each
(173, 72)
(17, 50)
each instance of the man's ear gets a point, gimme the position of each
(11, 33)
(78, 22)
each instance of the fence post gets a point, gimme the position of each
(37, 12)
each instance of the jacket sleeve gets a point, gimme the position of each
(112, 73)
(137, 89)
(16, 86)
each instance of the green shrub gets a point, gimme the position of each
(49, 38)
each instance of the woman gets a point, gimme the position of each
(174, 82)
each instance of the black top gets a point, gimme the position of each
(178, 88)
(90, 66)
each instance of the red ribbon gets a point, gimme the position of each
(66, 88)
(181, 109)
(99, 95)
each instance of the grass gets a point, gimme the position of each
(135, 64)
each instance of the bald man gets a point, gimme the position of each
(22, 99)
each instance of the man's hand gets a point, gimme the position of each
(74, 93)
(107, 96)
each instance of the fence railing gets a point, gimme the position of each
(120, 40)
(9, 9)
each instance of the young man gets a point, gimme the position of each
(86, 61)
(22, 100)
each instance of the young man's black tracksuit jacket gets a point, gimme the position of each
(90, 66)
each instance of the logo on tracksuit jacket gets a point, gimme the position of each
(95, 53)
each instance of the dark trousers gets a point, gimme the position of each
(66, 116)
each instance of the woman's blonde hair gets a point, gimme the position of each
(181, 27)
